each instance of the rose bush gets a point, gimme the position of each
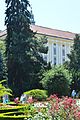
(64, 108)
(54, 108)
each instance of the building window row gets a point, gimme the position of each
(63, 49)
(55, 53)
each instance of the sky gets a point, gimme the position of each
(57, 14)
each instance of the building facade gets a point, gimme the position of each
(59, 43)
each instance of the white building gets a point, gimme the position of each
(59, 43)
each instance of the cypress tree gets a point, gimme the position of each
(74, 63)
(24, 62)
(1, 66)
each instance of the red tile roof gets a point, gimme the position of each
(52, 32)
(48, 31)
(3, 33)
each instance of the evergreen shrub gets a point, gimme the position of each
(21, 117)
(5, 110)
(37, 94)
(57, 81)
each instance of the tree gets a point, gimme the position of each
(39, 64)
(4, 90)
(24, 61)
(1, 67)
(2, 60)
(74, 63)
(57, 81)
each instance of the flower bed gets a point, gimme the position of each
(54, 108)
(64, 108)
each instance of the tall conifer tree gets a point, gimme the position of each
(1, 66)
(23, 58)
(74, 63)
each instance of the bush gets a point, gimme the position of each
(37, 94)
(57, 81)
(12, 113)
(10, 109)
(3, 117)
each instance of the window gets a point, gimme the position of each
(63, 52)
(54, 60)
(54, 51)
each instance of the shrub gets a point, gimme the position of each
(37, 94)
(64, 108)
(12, 113)
(10, 109)
(21, 117)
(4, 90)
(57, 81)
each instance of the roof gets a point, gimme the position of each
(48, 31)
(3, 33)
(52, 32)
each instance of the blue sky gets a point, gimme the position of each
(57, 14)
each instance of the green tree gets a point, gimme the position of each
(24, 61)
(57, 81)
(39, 64)
(2, 60)
(74, 63)
(4, 90)
(1, 67)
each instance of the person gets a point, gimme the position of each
(23, 98)
(73, 94)
(5, 99)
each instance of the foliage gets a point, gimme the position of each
(1, 67)
(42, 44)
(25, 63)
(37, 94)
(64, 108)
(56, 108)
(39, 65)
(43, 114)
(4, 90)
(74, 63)
(57, 80)
(36, 113)
(3, 70)
(21, 117)
(8, 112)
(9, 108)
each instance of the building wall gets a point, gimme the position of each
(59, 43)
(58, 48)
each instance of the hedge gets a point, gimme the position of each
(3, 117)
(37, 94)
(13, 113)
(4, 110)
